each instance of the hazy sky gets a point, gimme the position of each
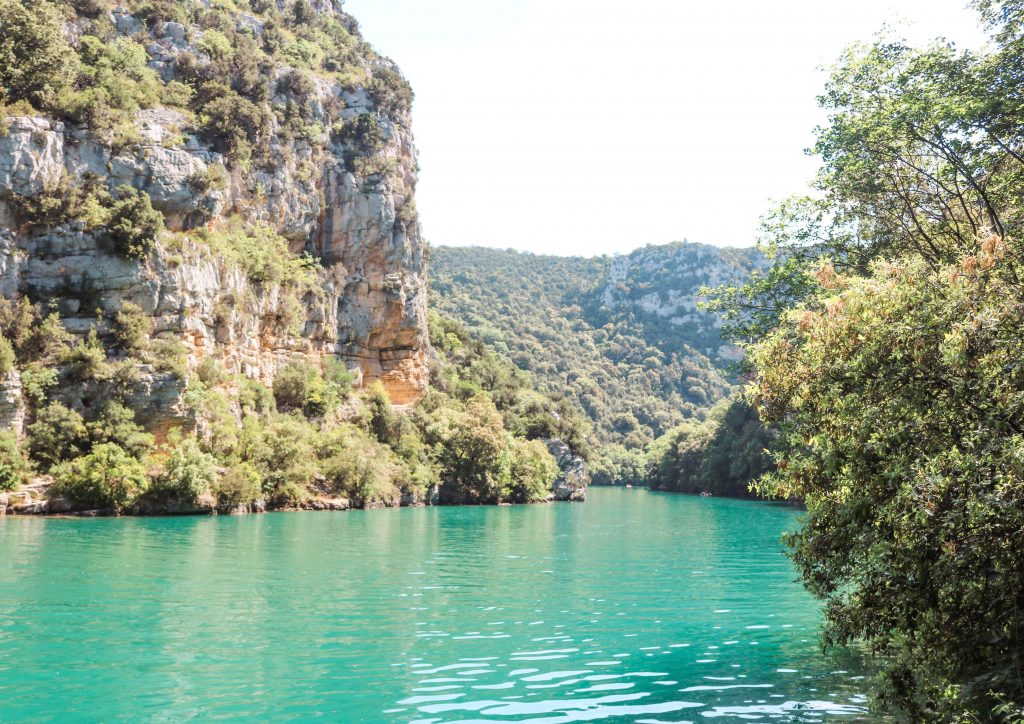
(592, 126)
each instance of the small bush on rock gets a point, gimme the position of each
(131, 328)
(134, 223)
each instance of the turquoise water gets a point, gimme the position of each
(635, 607)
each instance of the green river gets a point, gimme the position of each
(633, 607)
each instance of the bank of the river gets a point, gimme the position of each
(633, 607)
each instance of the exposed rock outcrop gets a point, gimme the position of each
(573, 479)
(368, 303)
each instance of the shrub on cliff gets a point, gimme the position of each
(131, 328)
(36, 63)
(7, 357)
(134, 223)
(301, 386)
(188, 473)
(57, 434)
(116, 424)
(108, 477)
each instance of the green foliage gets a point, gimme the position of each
(36, 63)
(188, 473)
(391, 92)
(358, 468)
(87, 360)
(233, 123)
(213, 178)
(36, 380)
(895, 378)
(169, 355)
(634, 373)
(113, 82)
(259, 251)
(479, 461)
(913, 483)
(108, 478)
(532, 470)
(134, 224)
(471, 368)
(722, 455)
(131, 328)
(7, 357)
(116, 424)
(240, 485)
(301, 386)
(15, 466)
(57, 434)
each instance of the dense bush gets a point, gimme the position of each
(131, 328)
(57, 434)
(134, 224)
(107, 478)
(301, 386)
(116, 424)
(241, 484)
(36, 63)
(532, 471)
(7, 357)
(15, 466)
(188, 473)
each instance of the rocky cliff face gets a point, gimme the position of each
(367, 304)
(664, 283)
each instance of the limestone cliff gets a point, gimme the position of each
(345, 201)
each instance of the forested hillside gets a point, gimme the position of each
(621, 337)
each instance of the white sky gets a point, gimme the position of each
(592, 126)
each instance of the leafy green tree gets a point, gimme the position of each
(472, 451)
(901, 407)
(15, 466)
(188, 473)
(7, 357)
(108, 477)
(57, 434)
(532, 472)
(116, 424)
(241, 484)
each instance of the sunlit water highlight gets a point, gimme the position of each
(635, 607)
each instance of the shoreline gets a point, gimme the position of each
(340, 505)
(751, 499)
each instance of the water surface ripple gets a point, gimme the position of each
(635, 607)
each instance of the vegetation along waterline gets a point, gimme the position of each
(216, 297)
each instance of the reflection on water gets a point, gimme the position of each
(632, 607)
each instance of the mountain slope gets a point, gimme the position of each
(621, 337)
